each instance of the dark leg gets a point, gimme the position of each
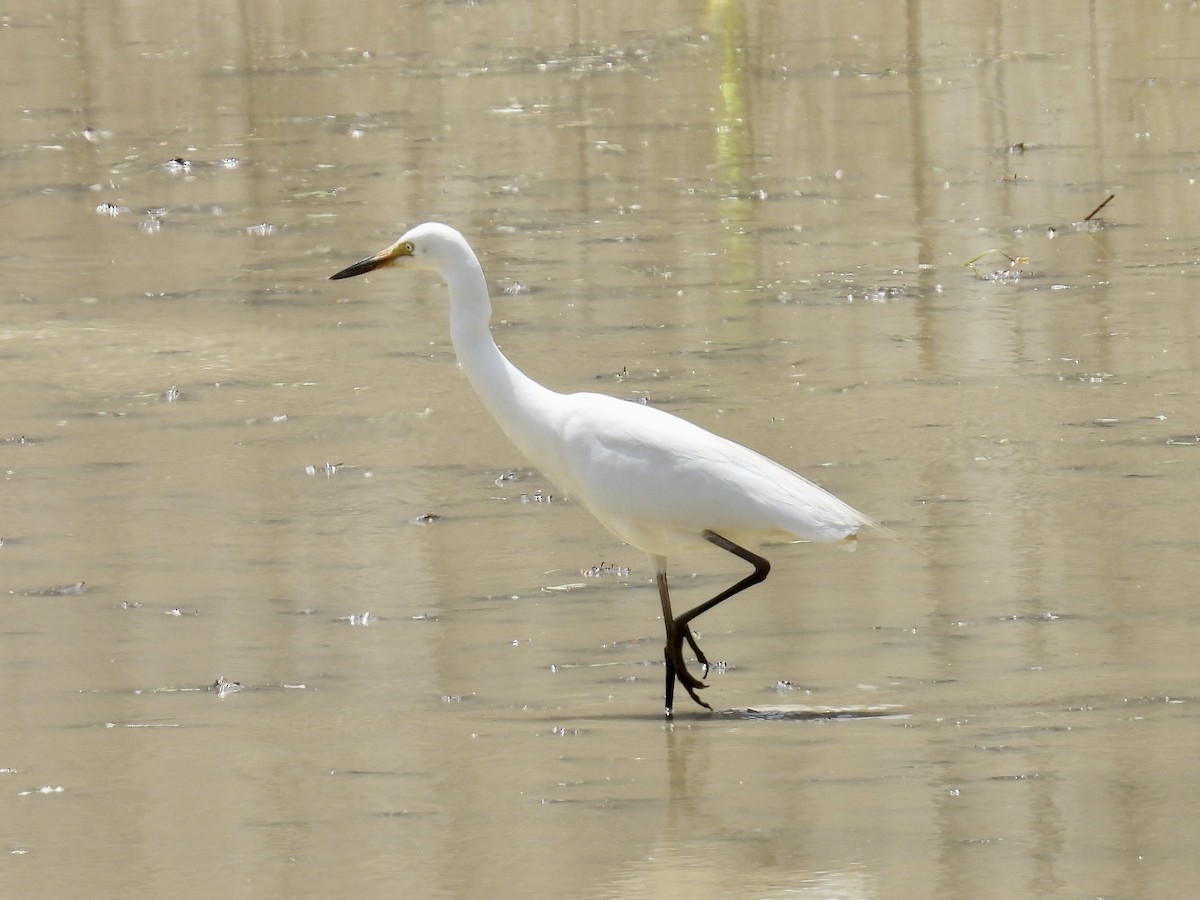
(679, 630)
(761, 569)
(673, 651)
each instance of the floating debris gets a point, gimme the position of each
(48, 789)
(425, 519)
(604, 569)
(1090, 223)
(263, 229)
(223, 686)
(1036, 617)
(512, 475)
(1007, 275)
(364, 619)
(563, 588)
(879, 294)
(178, 165)
(111, 209)
(1089, 377)
(329, 469)
(1089, 226)
(1107, 200)
(170, 395)
(62, 590)
(536, 497)
(319, 195)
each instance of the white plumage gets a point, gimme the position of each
(658, 482)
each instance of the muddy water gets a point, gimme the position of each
(217, 464)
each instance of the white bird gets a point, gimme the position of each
(654, 480)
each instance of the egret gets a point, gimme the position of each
(656, 481)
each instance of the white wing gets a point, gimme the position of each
(658, 481)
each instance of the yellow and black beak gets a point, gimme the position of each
(382, 259)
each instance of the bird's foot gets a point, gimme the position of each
(677, 668)
(700, 657)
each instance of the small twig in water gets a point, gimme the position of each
(1092, 214)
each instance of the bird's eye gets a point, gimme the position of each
(409, 248)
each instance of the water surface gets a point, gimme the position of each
(218, 464)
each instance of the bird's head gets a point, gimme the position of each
(428, 246)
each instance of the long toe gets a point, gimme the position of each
(676, 649)
(692, 693)
(691, 639)
(690, 682)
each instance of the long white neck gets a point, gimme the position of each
(518, 403)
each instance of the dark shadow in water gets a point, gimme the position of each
(771, 711)
(794, 712)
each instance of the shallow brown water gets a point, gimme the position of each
(754, 215)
